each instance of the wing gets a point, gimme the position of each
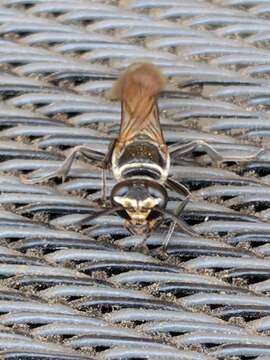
(137, 88)
(140, 117)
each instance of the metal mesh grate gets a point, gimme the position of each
(70, 294)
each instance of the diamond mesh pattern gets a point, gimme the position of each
(68, 294)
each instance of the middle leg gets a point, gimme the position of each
(65, 167)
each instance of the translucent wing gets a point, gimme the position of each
(140, 117)
(137, 88)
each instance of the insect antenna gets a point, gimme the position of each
(98, 214)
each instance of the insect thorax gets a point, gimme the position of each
(141, 159)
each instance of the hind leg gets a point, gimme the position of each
(182, 149)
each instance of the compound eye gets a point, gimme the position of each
(119, 196)
(120, 191)
(156, 194)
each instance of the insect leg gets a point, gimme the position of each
(64, 168)
(187, 229)
(106, 163)
(180, 189)
(177, 187)
(182, 149)
(98, 214)
(178, 212)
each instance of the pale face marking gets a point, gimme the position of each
(137, 210)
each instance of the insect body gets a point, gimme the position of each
(139, 157)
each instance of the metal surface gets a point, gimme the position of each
(68, 294)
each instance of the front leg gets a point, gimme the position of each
(183, 149)
(182, 190)
(177, 187)
(178, 212)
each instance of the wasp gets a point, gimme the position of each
(139, 157)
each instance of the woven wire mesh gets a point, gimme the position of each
(73, 294)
